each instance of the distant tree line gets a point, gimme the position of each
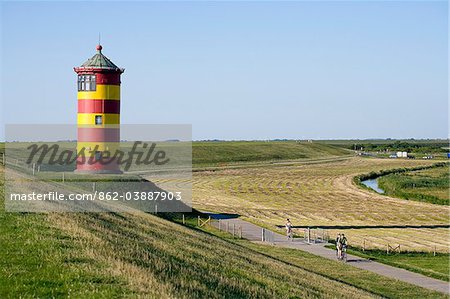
(410, 147)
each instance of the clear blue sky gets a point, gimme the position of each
(238, 70)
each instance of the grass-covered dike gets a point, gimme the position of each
(114, 255)
(229, 152)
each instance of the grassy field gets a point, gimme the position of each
(426, 263)
(140, 255)
(182, 155)
(40, 261)
(224, 153)
(429, 185)
(324, 195)
(100, 255)
(378, 285)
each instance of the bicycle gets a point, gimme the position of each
(344, 253)
(289, 235)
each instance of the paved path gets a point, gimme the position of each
(253, 232)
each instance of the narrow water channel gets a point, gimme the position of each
(373, 184)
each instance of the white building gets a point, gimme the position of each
(402, 154)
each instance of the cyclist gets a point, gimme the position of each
(344, 247)
(288, 226)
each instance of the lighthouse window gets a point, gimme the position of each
(87, 83)
(98, 120)
(98, 156)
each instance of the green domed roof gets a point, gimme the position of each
(100, 61)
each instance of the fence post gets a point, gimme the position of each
(93, 186)
(434, 252)
(34, 166)
(364, 245)
(184, 221)
(198, 220)
(156, 209)
(262, 235)
(387, 249)
(308, 234)
(63, 177)
(220, 224)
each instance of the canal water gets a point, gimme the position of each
(373, 184)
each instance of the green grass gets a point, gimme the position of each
(426, 263)
(347, 274)
(203, 154)
(109, 255)
(104, 255)
(427, 185)
(366, 280)
(118, 255)
(39, 260)
(156, 258)
(217, 153)
(213, 153)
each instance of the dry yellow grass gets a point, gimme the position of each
(324, 194)
(151, 257)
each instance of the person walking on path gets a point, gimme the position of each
(338, 246)
(289, 229)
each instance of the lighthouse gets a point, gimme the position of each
(98, 117)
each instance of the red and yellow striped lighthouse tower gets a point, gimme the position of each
(98, 114)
